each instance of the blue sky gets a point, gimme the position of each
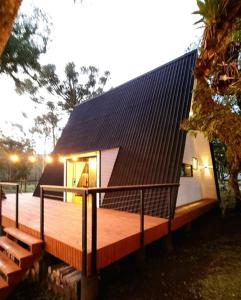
(126, 37)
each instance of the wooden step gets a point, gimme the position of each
(24, 257)
(34, 244)
(11, 271)
(4, 288)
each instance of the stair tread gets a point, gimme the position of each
(3, 283)
(22, 236)
(7, 266)
(13, 248)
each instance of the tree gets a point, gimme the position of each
(8, 12)
(17, 170)
(217, 75)
(26, 44)
(220, 161)
(76, 87)
(47, 124)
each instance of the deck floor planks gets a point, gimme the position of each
(118, 231)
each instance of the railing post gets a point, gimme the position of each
(142, 218)
(89, 284)
(17, 206)
(94, 234)
(41, 213)
(84, 234)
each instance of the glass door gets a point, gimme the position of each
(81, 172)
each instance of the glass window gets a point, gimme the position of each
(186, 170)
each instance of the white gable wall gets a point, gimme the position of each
(202, 184)
(107, 158)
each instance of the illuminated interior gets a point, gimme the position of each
(81, 171)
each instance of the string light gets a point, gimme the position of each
(14, 158)
(61, 159)
(48, 159)
(32, 159)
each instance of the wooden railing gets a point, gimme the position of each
(10, 184)
(84, 192)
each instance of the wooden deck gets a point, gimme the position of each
(117, 234)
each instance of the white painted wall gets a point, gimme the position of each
(202, 184)
(108, 159)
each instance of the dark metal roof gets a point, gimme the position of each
(143, 118)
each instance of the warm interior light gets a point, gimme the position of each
(32, 159)
(74, 158)
(61, 159)
(49, 159)
(14, 158)
(195, 163)
(92, 163)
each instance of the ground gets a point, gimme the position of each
(205, 264)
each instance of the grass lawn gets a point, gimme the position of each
(205, 264)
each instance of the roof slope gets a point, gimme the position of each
(143, 118)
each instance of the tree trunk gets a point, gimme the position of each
(8, 12)
(53, 137)
(233, 183)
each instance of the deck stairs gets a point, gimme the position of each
(18, 252)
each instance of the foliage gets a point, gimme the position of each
(27, 42)
(76, 87)
(47, 124)
(10, 171)
(217, 75)
(20, 61)
(220, 159)
(192, 46)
